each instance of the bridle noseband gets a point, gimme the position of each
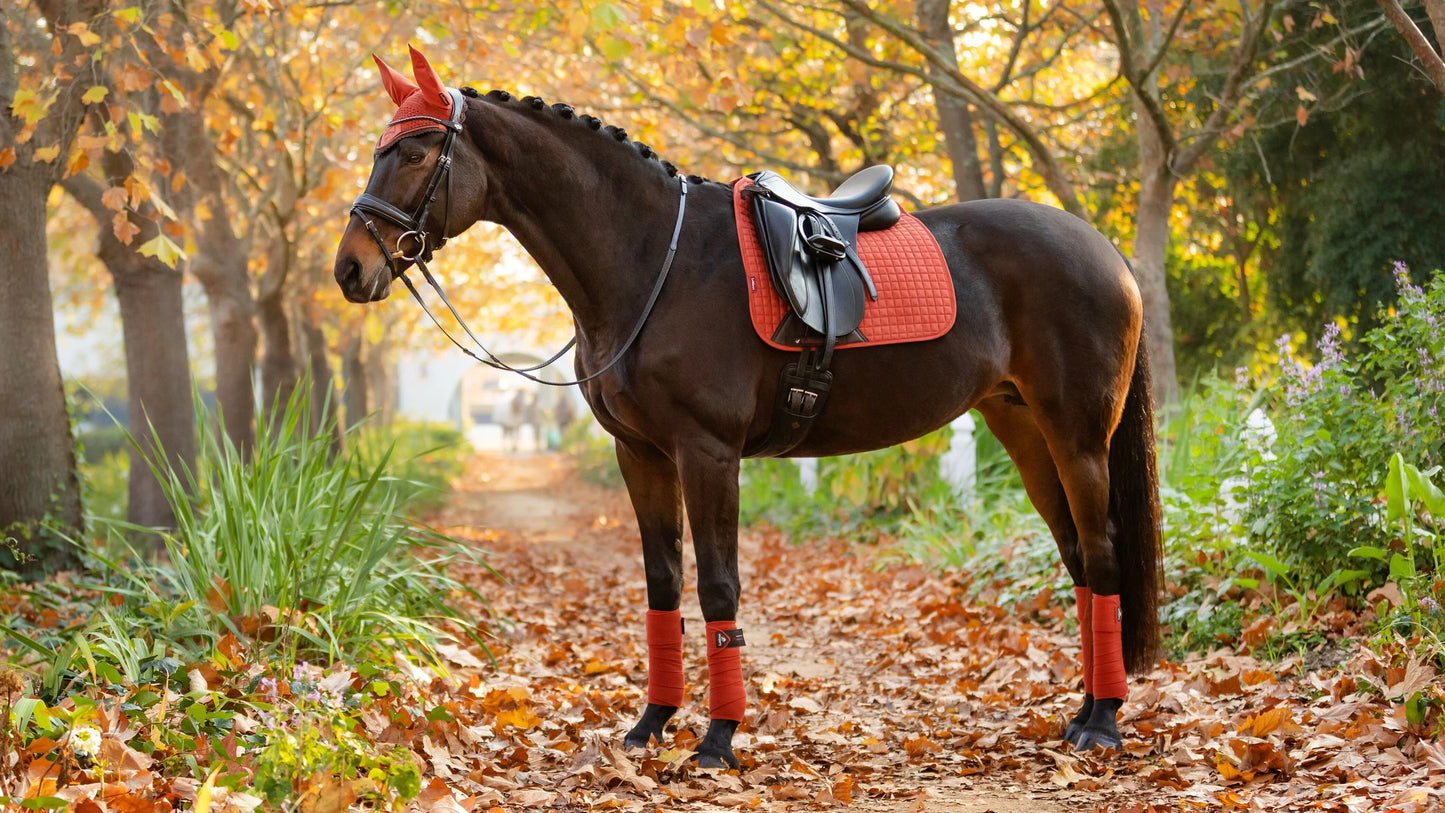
(414, 228)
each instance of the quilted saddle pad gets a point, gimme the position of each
(915, 292)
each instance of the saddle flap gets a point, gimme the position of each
(828, 293)
(778, 231)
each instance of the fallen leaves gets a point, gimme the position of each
(880, 690)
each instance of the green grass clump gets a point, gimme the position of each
(290, 554)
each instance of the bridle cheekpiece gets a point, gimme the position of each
(413, 225)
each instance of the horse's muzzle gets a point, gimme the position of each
(358, 286)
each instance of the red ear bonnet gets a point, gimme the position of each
(425, 97)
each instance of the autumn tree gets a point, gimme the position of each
(158, 374)
(47, 72)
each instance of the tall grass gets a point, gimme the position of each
(297, 553)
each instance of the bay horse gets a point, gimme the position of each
(1046, 346)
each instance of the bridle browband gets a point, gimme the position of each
(413, 226)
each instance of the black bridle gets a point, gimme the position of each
(413, 226)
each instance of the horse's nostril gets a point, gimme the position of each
(350, 272)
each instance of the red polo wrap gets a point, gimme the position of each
(1110, 680)
(665, 682)
(1082, 600)
(727, 699)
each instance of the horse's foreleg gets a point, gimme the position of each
(653, 486)
(1014, 426)
(709, 472)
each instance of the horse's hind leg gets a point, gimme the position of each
(652, 484)
(1013, 424)
(1077, 430)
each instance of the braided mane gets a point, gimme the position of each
(568, 113)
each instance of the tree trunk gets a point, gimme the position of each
(38, 480)
(157, 363)
(158, 376)
(1424, 50)
(995, 160)
(279, 370)
(318, 372)
(1151, 246)
(955, 120)
(381, 383)
(220, 264)
(353, 380)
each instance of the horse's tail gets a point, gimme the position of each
(1134, 510)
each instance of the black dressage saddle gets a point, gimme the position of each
(811, 248)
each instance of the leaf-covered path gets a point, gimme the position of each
(878, 689)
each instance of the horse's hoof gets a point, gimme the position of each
(716, 748)
(1090, 739)
(1102, 728)
(717, 759)
(654, 718)
(1081, 719)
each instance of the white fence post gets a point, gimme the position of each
(959, 465)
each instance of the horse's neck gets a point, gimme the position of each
(596, 219)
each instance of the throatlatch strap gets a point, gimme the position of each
(1110, 680)
(665, 682)
(1083, 599)
(727, 699)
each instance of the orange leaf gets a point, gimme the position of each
(1301, 115)
(125, 231)
(520, 717)
(113, 199)
(79, 160)
(1262, 724)
(7, 157)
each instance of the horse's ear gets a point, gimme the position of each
(397, 85)
(427, 79)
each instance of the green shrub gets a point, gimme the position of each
(595, 453)
(859, 493)
(1339, 423)
(105, 485)
(424, 459)
(295, 552)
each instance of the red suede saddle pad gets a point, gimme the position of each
(915, 292)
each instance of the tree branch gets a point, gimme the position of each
(958, 84)
(1434, 65)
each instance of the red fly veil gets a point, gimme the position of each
(424, 97)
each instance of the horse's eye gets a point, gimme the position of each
(415, 157)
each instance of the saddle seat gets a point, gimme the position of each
(865, 193)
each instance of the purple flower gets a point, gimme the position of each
(1329, 346)
(1407, 291)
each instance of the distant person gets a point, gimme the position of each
(509, 415)
(564, 414)
(532, 416)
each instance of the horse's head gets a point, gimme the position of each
(426, 185)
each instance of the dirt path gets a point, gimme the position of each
(870, 689)
(878, 689)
